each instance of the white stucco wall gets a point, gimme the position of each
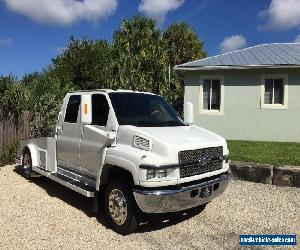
(243, 117)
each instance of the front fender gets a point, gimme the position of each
(125, 157)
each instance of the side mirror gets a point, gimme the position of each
(188, 113)
(111, 139)
(86, 109)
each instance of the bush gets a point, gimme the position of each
(45, 115)
(9, 154)
(46, 96)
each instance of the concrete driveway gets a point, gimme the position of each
(41, 214)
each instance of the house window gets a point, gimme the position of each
(211, 95)
(274, 92)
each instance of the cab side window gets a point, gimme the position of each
(100, 110)
(72, 109)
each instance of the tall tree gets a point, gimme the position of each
(84, 64)
(183, 44)
(140, 55)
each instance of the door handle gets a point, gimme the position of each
(82, 130)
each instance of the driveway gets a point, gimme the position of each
(42, 214)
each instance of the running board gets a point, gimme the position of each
(67, 182)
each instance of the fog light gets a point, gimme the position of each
(225, 157)
(150, 174)
(162, 173)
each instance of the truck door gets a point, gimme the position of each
(94, 137)
(69, 135)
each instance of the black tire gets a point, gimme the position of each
(123, 224)
(27, 165)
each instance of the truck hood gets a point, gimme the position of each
(183, 137)
(167, 142)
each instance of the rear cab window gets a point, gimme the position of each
(72, 109)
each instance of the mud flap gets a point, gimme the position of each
(96, 202)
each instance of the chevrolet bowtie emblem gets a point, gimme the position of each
(204, 161)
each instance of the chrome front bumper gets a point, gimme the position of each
(181, 197)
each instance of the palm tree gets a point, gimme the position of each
(13, 97)
(183, 44)
(140, 54)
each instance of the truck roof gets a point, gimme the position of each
(109, 91)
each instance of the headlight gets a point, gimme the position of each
(157, 173)
(142, 142)
(150, 174)
(162, 173)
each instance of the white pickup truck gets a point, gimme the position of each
(132, 148)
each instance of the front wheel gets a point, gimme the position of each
(120, 208)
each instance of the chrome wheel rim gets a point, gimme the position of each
(26, 162)
(117, 206)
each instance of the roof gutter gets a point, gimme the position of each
(193, 68)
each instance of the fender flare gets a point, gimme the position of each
(33, 152)
(117, 162)
(125, 164)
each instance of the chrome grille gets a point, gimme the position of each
(200, 161)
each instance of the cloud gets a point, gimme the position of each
(281, 15)
(6, 41)
(297, 39)
(158, 9)
(232, 43)
(63, 12)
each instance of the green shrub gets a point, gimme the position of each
(45, 114)
(9, 154)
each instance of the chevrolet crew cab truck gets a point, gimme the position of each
(133, 150)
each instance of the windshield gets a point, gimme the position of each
(143, 110)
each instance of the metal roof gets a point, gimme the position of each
(260, 56)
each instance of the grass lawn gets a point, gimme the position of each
(282, 153)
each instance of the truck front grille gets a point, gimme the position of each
(200, 161)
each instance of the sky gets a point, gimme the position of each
(34, 31)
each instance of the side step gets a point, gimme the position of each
(67, 182)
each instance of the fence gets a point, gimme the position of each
(10, 130)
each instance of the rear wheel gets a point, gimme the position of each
(120, 208)
(27, 165)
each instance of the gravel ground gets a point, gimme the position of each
(42, 214)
